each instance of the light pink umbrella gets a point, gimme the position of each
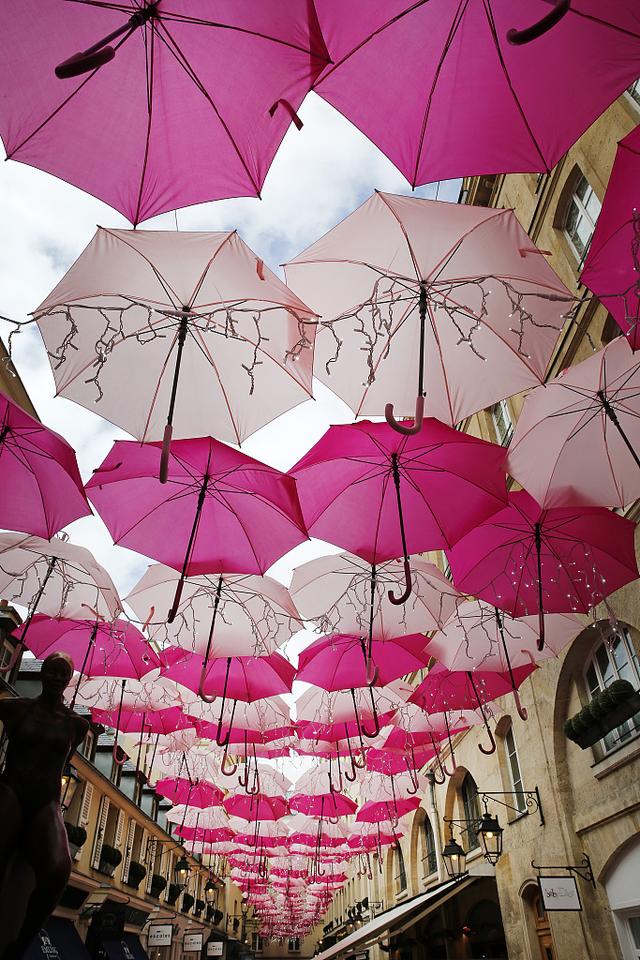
(219, 510)
(41, 487)
(209, 95)
(577, 440)
(315, 796)
(477, 101)
(163, 332)
(612, 265)
(233, 614)
(431, 306)
(360, 480)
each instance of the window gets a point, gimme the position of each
(469, 794)
(294, 945)
(429, 859)
(502, 422)
(256, 943)
(87, 746)
(401, 873)
(515, 775)
(580, 218)
(634, 92)
(615, 659)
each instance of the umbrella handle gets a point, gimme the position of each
(207, 699)
(492, 748)
(396, 601)
(166, 452)
(412, 774)
(522, 711)
(371, 735)
(176, 603)
(117, 749)
(536, 30)
(227, 772)
(400, 427)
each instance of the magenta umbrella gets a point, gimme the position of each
(255, 807)
(386, 811)
(127, 720)
(477, 101)
(527, 560)
(340, 662)
(612, 266)
(324, 805)
(196, 793)
(391, 761)
(360, 480)
(218, 511)
(41, 487)
(193, 107)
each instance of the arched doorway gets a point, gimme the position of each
(537, 924)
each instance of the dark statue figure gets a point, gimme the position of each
(42, 735)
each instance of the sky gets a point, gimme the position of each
(319, 175)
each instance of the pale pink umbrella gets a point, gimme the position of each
(162, 332)
(412, 731)
(126, 720)
(152, 692)
(477, 101)
(210, 94)
(231, 614)
(315, 796)
(41, 486)
(577, 440)
(354, 708)
(219, 510)
(433, 306)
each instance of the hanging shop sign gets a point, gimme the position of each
(215, 948)
(559, 893)
(160, 935)
(192, 943)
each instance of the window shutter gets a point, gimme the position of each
(100, 828)
(150, 860)
(85, 808)
(131, 832)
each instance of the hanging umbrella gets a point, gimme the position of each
(193, 107)
(150, 693)
(431, 306)
(41, 487)
(314, 795)
(344, 594)
(219, 510)
(577, 441)
(390, 762)
(449, 691)
(528, 560)
(348, 711)
(148, 722)
(478, 101)
(198, 793)
(340, 662)
(188, 332)
(258, 806)
(360, 480)
(612, 265)
(243, 615)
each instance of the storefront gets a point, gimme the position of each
(58, 940)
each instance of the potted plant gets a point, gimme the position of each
(605, 712)
(199, 907)
(158, 883)
(187, 902)
(77, 837)
(110, 857)
(173, 893)
(137, 873)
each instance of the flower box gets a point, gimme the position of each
(606, 712)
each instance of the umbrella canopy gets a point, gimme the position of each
(127, 720)
(612, 263)
(186, 333)
(41, 487)
(577, 441)
(477, 102)
(198, 793)
(219, 510)
(390, 762)
(336, 592)
(209, 95)
(447, 303)
(237, 678)
(105, 693)
(253, 615)
(387, 811)
(258, 806)
(339, 662)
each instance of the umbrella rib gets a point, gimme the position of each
(409, 479)
(149, 57)
(200, 281)
(20, 455)
(207, 355)
(404, 233)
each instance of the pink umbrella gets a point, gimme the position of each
(358, 482)
(209, 95)
(219, 510)
(255, 807)
(199, 793)
(384, 811)
(339, 662)
(391, 762)
(143, 721)
(437, 306)
(577, 441)
(323, 805)
(41, 486)
(446, 690)
(478, 102)
(528, 560)
(612, 265)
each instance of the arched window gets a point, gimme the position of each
(429, 859)
(471, 805)
(401, 873)
(580, 216)
(615, 658)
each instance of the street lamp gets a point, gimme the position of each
(210, 891)
(181, 872)
(489, 834)
(68, 786)
(455, 859)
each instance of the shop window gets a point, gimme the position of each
(502, 422)
(471, 805)
(515, 774)
(580, 217)
(614, 659)
(400, 871)
(429, 859)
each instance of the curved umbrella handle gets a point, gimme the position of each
(207, 699)
(400, 427)
(412, 774)
(118, 749)
(360, 763)
(243, 781)
(492, 748)
(350, 776)
(371, 735)
(230, 771)
(166, 453)
(522, 711)
(371, 672)
(443, 772)
(396, 601)
(536, 30)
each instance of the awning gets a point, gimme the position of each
(128, 948)
(397, 920)
(57, 940)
